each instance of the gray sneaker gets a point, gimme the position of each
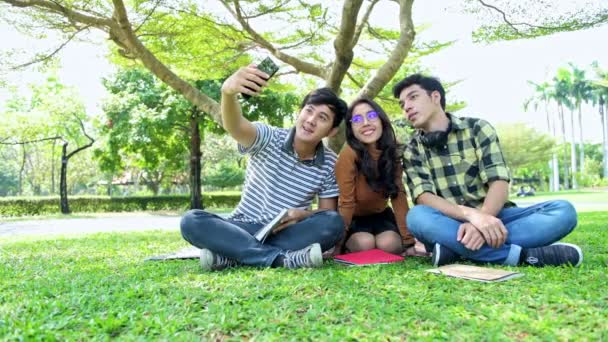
(557, 254)
(214, 262)
(310, 256)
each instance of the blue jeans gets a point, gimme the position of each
(538, 225)
(235, 239)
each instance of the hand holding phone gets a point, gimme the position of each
(267, 66)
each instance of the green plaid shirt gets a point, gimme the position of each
(460, 171)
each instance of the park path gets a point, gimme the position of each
(96, 224)
(141, 221)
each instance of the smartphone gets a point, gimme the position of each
(267, 66)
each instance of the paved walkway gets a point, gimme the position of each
(141, 221)
(95, 224)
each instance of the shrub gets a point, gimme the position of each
(50, 205)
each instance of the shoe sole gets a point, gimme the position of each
(206, 260)
(436, 255)
(578, 250)
(316, 255)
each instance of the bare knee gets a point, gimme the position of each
(389, 241)
(360, 242)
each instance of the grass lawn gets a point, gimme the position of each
(97, 287)
(583, 201)
(571, 195)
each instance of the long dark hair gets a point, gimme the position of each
(380, 175)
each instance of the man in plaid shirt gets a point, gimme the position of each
(459, 181)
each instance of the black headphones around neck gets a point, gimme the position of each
(437, 138)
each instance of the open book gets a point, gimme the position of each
(263, 233)
(369, 257)
(190, 252)
(477, 273)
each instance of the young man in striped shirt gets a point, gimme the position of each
(459, 180)
(287, 169)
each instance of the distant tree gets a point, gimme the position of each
(54, 113)
(8, 181)
(561, 95)
(600, 98)
(158, 128)
(581, 92)
(542, 97)
(225, 175)
(524, 146)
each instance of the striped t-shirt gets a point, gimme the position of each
(276, 178)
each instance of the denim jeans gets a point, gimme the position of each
(538, 225)
(235, 239)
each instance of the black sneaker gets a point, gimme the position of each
(214, 262)
(553, 255)
(443, 256)
(310, 256)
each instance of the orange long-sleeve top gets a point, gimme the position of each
(358, 199)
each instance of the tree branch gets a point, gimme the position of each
(292, 72)
(298, 64)
(397, 56)
(504, 17)
(73, 16)
(363, 23)
(148, 16)
(513, 25)
(49, 56)
(270, 10)
(124, 36)
(121, 32)
(91, 140)
(4, 142)
(355, 81)
(295, 45)
(343, 43)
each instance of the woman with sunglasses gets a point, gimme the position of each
(368, 172)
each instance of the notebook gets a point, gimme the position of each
(184, 253)
(263, 233)
(477, 273)
(369, 257)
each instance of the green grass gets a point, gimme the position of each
(584, 201)
(97, 287)
(574, 196)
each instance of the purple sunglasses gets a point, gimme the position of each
(358, 119)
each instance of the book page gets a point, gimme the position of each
(267, 229)
(475, 272)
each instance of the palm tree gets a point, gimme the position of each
(542, 96)
(560, 94)
(600, 91)
(581, 91)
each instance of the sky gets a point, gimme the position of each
(494, 78)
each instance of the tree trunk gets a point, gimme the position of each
(63, 183)
(554, 174)
(196, 197)
(603, 114)
(65, 157)
(581, 144)
(53, 167)
(337, 141)
(21, 170)
(555, 170)
(565, 152)
(573, 167)
(109, 188)
(154, 186)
